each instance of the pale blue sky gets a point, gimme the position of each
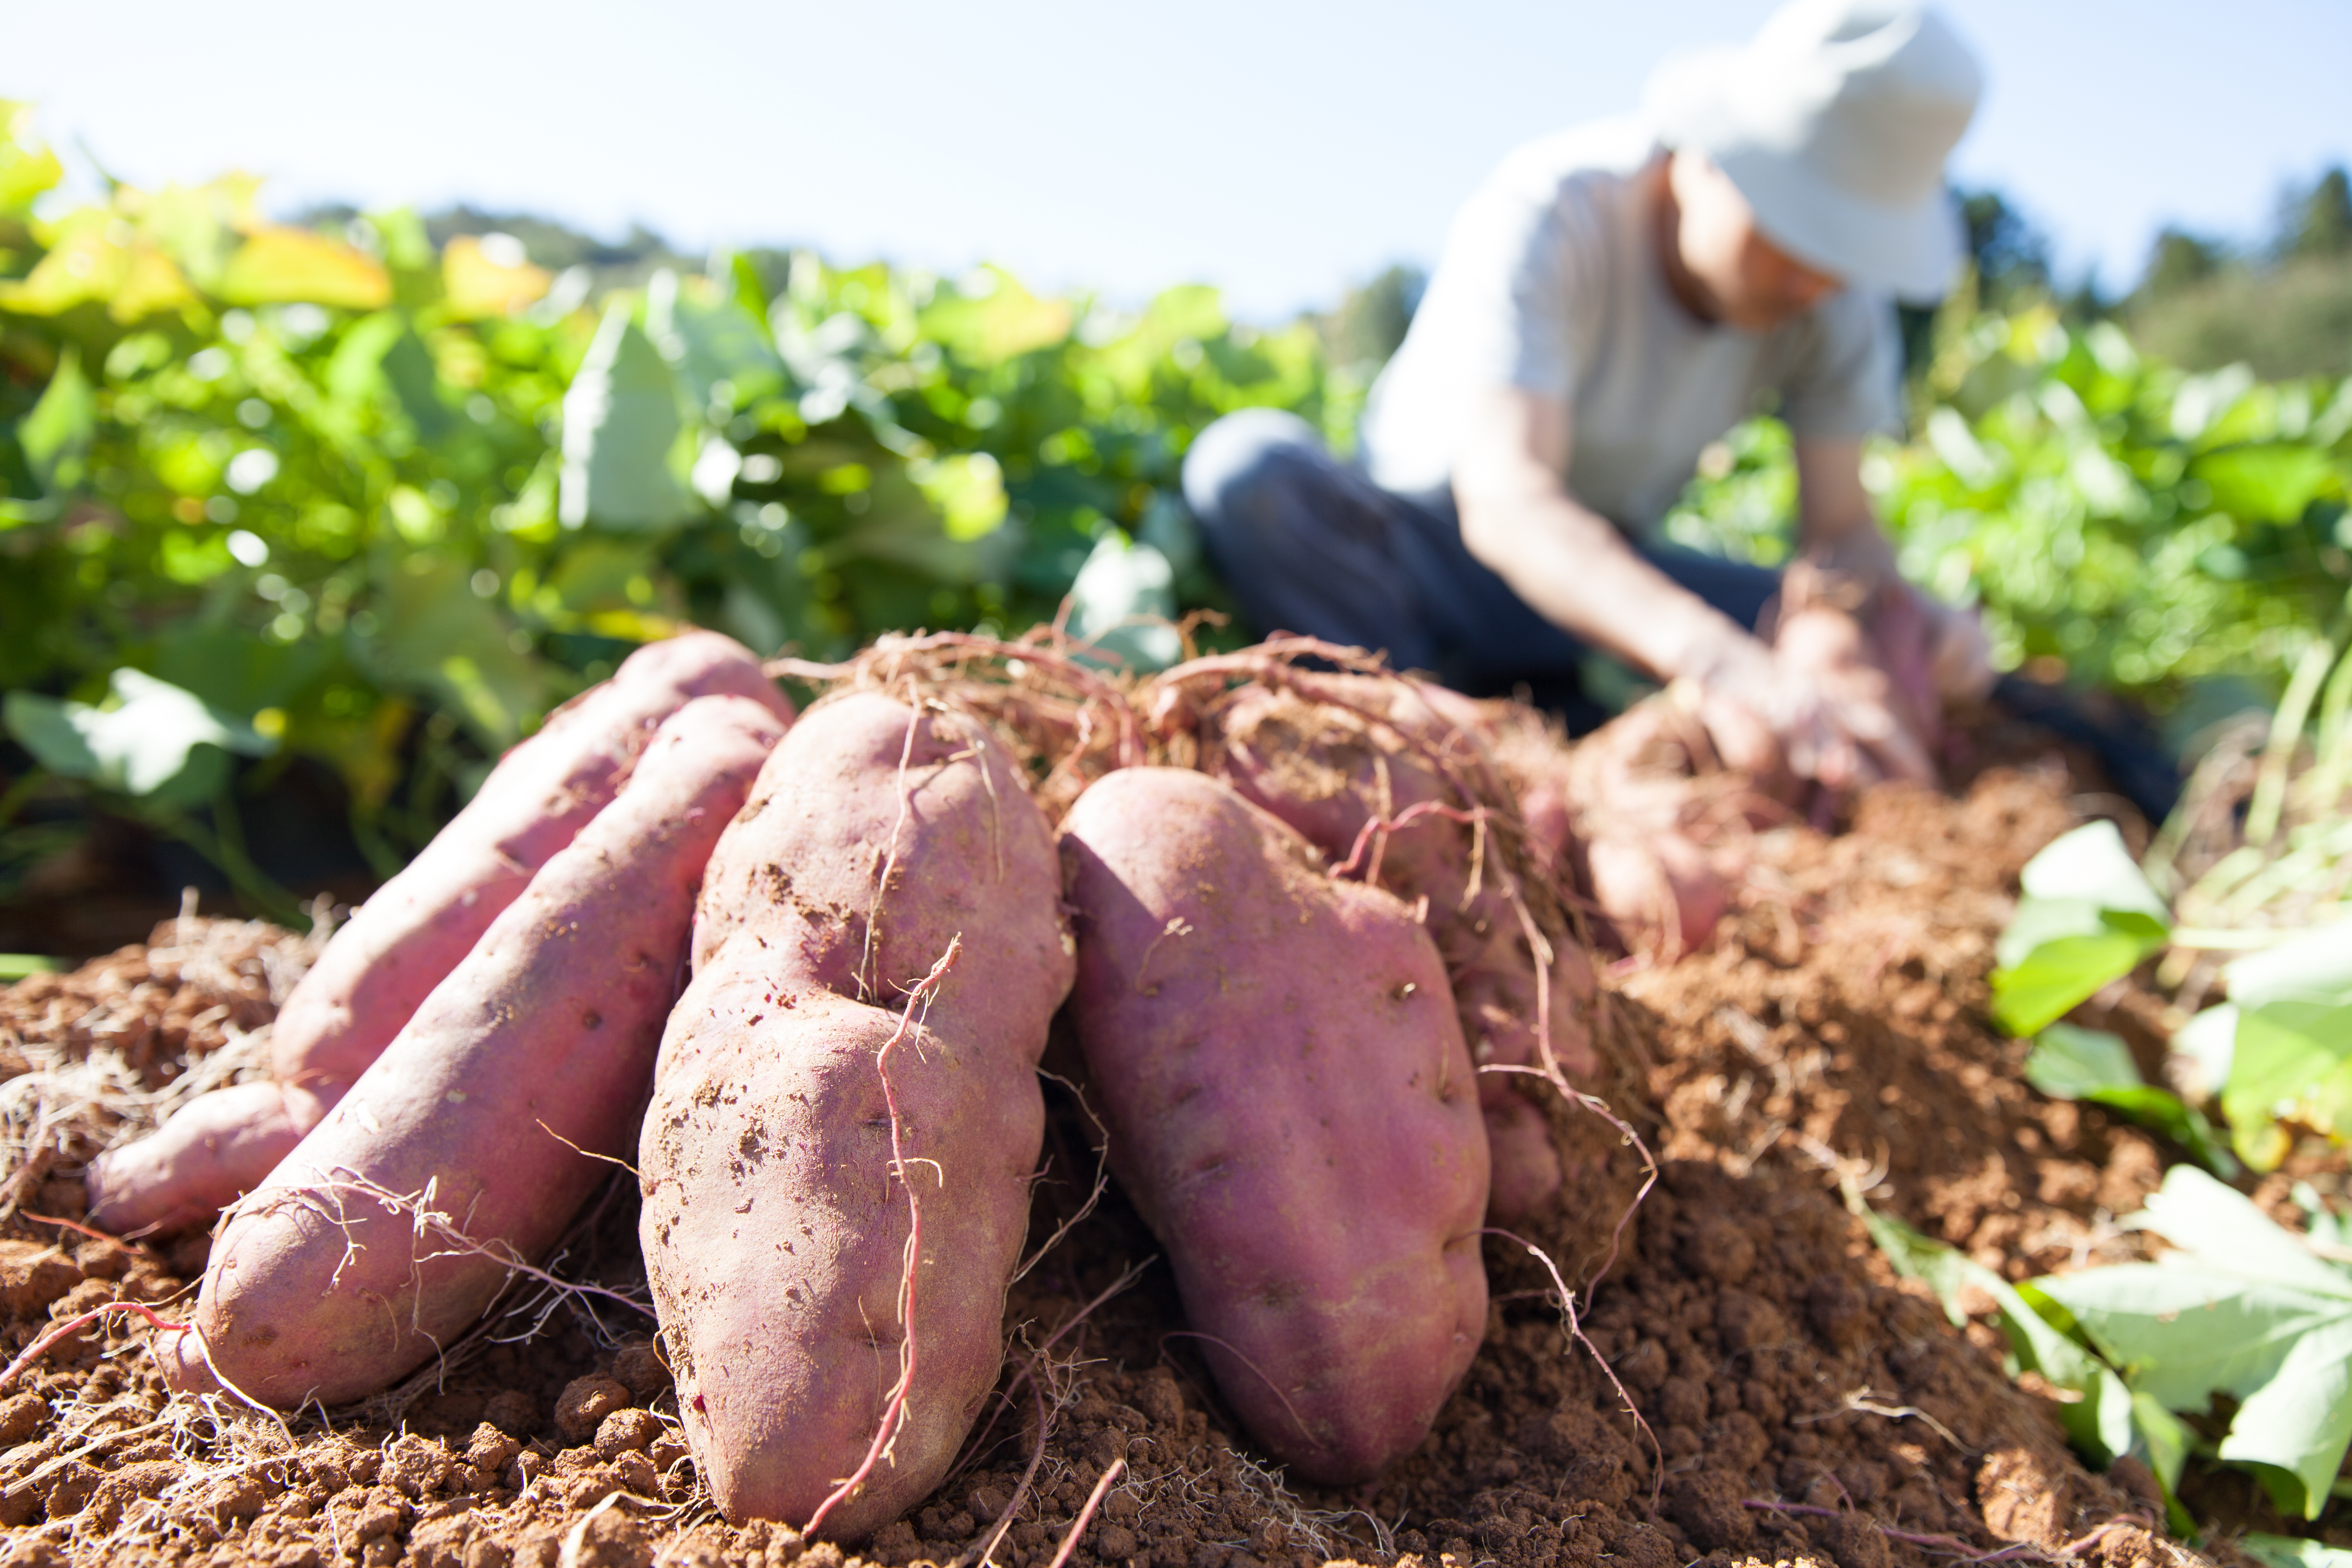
(1279, 149)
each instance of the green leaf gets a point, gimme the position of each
(2272, 482)
(2314, 966)
(2292, 1062)
(2165, 1440)
(2071, 949)
(46, 728)
(2244, 1308)
(620, 420)
(1123, 602)
(2182, 1331)
(901, 525)
(2092, 863)
(2072, 1063)
(2099, 1424)
(2290, 1550)
(2301, 1420)
(2088, 918)
(2291, 1057)
(278, 265)
(409, 368)
(436, 635)
(2193, 1211)
(355, 370)
(714, 345)
(56, 436)
(228, 667)
(156, 742)
(2068, 1063)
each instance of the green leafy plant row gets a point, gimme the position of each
(379, 504)
(2124, 525)
(352, 498)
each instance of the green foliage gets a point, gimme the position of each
(2088, 918)
(388, 493)
(2292, 1054)
(385, 503)
(2282, 305)
(2072, 1063)
(2132, 526)
(2099, 1421)
(154, 740)
(2121, 524)
(2244, 1308)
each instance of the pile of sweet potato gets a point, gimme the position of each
(800, 972)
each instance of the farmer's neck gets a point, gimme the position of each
(1717, 264)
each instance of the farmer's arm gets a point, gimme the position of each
(1836, 525)
(1571, 564)
(1566, 560)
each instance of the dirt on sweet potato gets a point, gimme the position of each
(1798, 1407)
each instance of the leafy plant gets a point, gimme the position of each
(2289, 1023)
(2072, 1063)
(2243, 1308)
(2088, 918)
(2099, 1418)
(2123, 524)
(385, 504)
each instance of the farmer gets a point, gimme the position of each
(1613, 300)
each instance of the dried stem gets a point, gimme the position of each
(1094, 1500)
(1570, 1319)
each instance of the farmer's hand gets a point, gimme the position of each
(1960, 654)
(1935, 653)
(1765, 710)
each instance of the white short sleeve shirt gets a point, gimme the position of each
(1549, 282)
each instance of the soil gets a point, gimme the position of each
(1796, 1405)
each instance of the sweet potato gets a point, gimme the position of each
(1658, 819)
(1328, 771)
(530, 1060)
(785, 1156)
(379, 968)
(1290, 1107)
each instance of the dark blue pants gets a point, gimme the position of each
(1309, 545)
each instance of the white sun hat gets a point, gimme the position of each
(1834, 123)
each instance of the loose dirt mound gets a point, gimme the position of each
(1795, 1406)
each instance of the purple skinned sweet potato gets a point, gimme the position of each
(498, 1108)
(776, 1227)
(1290, 1107)
(398, 946)
(1328, 771)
